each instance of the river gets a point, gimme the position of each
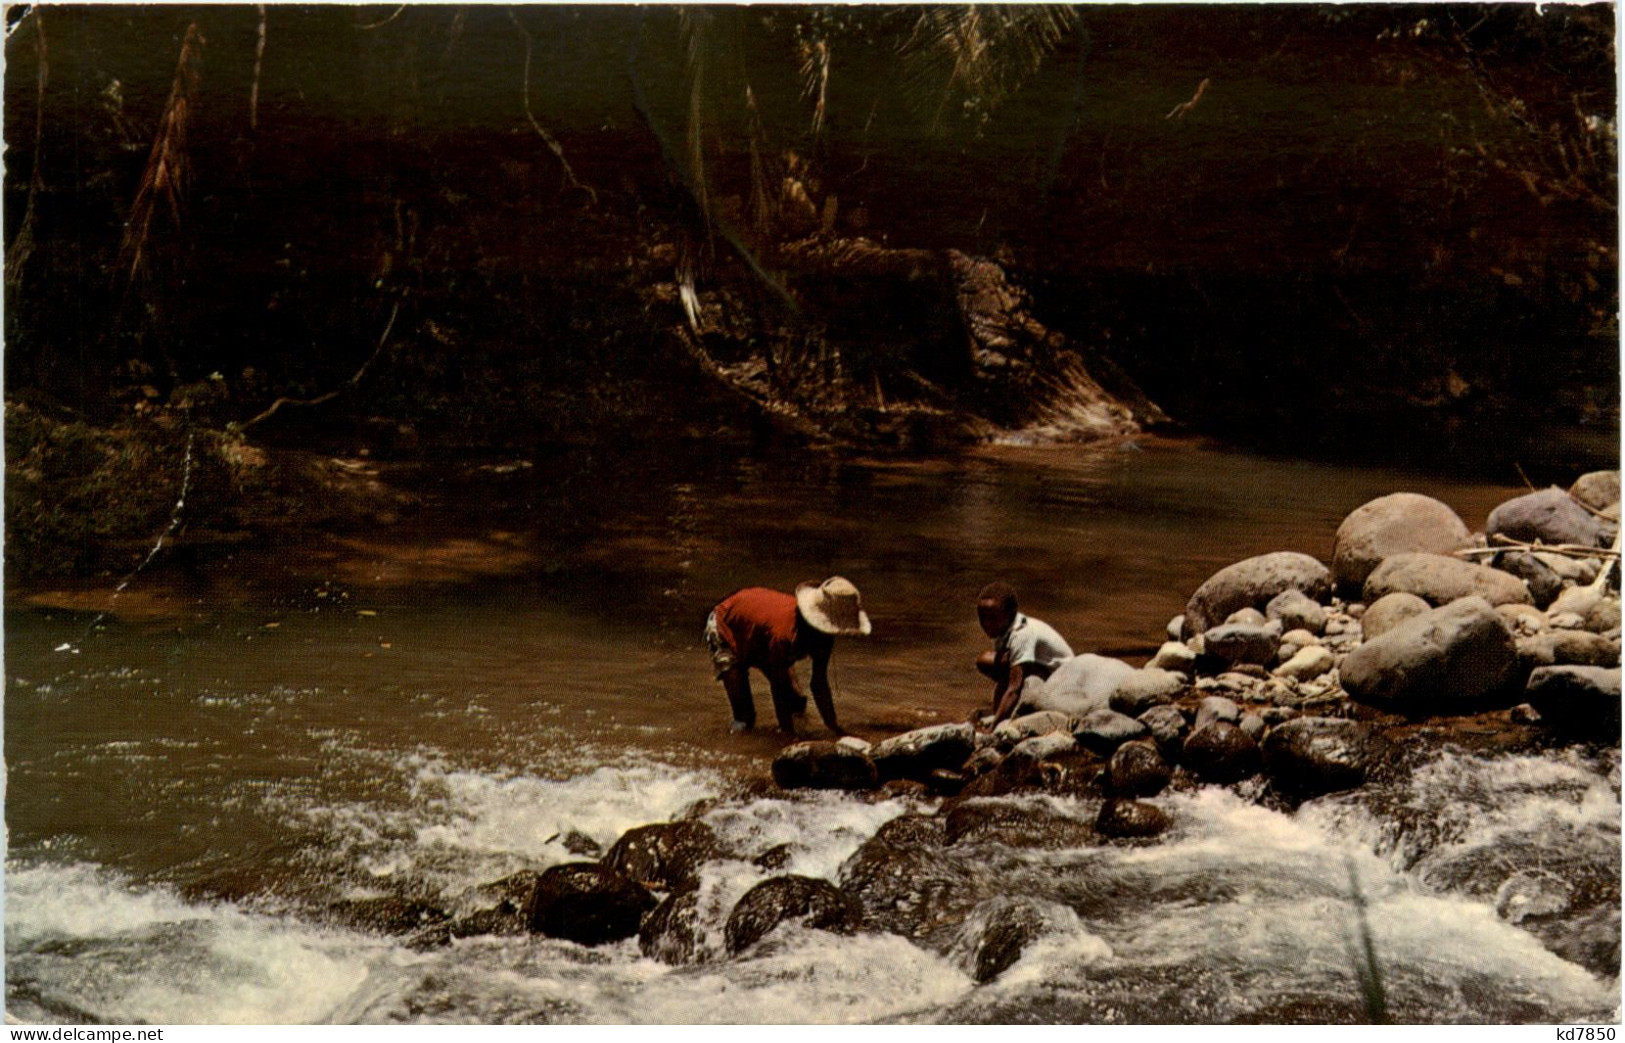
(439, 701)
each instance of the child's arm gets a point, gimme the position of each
(1009, 695)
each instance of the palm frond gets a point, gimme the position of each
(979, 54)
(168, 166)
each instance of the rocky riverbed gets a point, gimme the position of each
(1355, 688)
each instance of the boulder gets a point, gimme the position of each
(902, 883)
(1216, 708)
(1145, 688)
(916, 754)
(824, 765)
(1174, 656)
(1253, 726)
(1532, 893)
(1568, 648)
(802, 899)
(389, 914)
(1168, 728)
(1550, 516)
(1243, 642)
(998, 930)
(1439, 580)
(1578, 699)
(1222, 753)
(1454, 654)
(588, 903)
(1138, 770)
(673, 933)
(1543, 581)
(1308, 664)
(1014, 824)
(664, 857)
(1399, 523)
(1389, 611)
(1105, 730)
(1079, 685)
(1248, 616)
(1296, 611)
(1009, 732)
(1572, 571)
(1253, 583)
(1308, 756)
(1131, 819)
(1043, 747)
(1596, 490)
(985, 759)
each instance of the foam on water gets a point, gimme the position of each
(82, 941)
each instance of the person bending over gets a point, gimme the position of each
(771, 631)
(1023, 647)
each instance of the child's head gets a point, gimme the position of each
(996, 608)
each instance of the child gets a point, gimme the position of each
(1023, 647)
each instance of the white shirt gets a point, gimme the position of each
(1033, 641)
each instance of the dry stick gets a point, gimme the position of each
(1178, 111)
(259, 64)
(1568, 550)
(379, 25)
(1583, 505)
(552, 142)
(329, 396)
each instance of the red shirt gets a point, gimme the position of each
(759, 625)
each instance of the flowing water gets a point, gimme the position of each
(197, 779)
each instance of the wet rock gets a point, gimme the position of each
(1167, 727)
(1146, 688)
(1308, 664)
(1253, 583)
(903, 883)
(1174, 656)
(1274, 715)
(664, 857)
(998, 930)
(1248, 616)
(1568, 648)
(1551, 516)
(1532, 893)
(1543, 581)
(1014, 824)
(587, 903)
(1523, 713)
(1243, 642)
(1131, 818)
(1138, 770)
(1389, 611)
(1222, 753)
(915, 754)
(1007, 733)
(824, 765)
(985, 760)
(389, 914)
(1105, 730)
(1440, 580)
(1216, 708)
(1597, 489)
(1399, 523)
(944, 782)
(1454, 654)
(1314, 755)
(581, 845)
(802, 899)
(673, 933)
(1296, 611)
(776, 857)
(1583, 699)
(1079, 685)
(854, 743)
(1043, 747)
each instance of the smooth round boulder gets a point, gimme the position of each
(665, 856)
(1253, 583)
(588, 903)
(1568, 648)
(1597, 490)
(1308, 756)
(1137, 770)
(1296, 611)
(1584, 699)
(1145, 688)
(821, 764)
(1243, 642)
(1249, 616)
(1458, 653)
(1105, 730)
(1079, 685)
(1174, 656)
(803, 899)
(1389, 611)
(916, 754)
(1130, 819)
(1016, 729)
(1216, 708)
(1439, 580)
(1550, 516)
(998, 930)
(1394, 524)
(1222, 753)
(1543, 581)
(1014, 824)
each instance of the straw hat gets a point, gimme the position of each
(832, 606)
